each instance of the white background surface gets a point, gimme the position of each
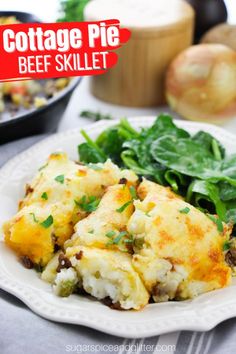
(47, 10)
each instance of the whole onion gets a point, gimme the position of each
(201, 83)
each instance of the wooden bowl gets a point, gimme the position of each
(159, 31)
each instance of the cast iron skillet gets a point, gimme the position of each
(37, 121)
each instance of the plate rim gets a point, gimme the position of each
(31, 297)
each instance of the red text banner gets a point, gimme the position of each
(43, 50)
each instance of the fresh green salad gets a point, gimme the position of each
(195, 167)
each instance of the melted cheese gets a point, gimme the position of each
(94, 230)
(153, 189)
(182, 253)
(24, 232)
(177, 250)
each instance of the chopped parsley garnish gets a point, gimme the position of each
(34, 217)
(130, 239)
(88, 204)
(47, 222)
(133, 192)
(60, 179)
(217, 221)
(110, 234)
(44, 196)
(185, 210)
(124, 206)
(42, 167)
(226, 246)
(117, 239)
(94, 167)
(91, 232)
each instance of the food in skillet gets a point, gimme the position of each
(125, 240)
(17, 97)
(8, 20)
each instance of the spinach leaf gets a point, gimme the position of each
(111, 141)
(227, 191)
(228, 166)
(176, 180)
(90, 151)
(206, 195)
(210, 143)
(189, 158)
(217, 221)
(139, 148)
(141, 144)
(88, 154)
(231, 216)
(164, 126)
(194, 166)
(129, 161)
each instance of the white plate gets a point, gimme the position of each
(202, 313)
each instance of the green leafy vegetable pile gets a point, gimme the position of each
(72, 10)
(194, 166)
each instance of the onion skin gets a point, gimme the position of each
(201, 83)
(221, 34)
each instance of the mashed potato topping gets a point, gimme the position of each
(106, 221)
(182, 252)
(109, 274)
(96, 231)
(53, 204)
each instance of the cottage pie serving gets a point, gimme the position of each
(102, 230)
